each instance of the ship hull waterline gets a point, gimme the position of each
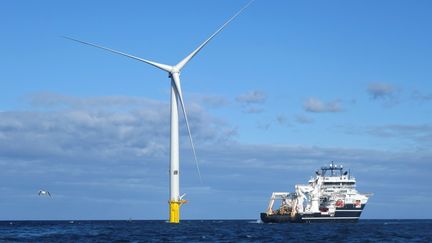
(348, 214)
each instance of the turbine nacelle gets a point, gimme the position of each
(172, 72)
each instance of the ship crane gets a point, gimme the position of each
(307, 192)
(276, 195)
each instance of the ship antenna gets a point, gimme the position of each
(332, 167)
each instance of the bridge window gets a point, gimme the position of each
(339, 183)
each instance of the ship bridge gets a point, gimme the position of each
(333, 170)
(334, 176)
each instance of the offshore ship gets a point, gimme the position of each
(330, 196)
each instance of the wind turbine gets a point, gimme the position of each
(175, 200)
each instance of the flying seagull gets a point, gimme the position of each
(44, 193)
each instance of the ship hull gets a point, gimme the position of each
(347, 214)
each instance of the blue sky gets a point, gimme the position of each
(287, 87)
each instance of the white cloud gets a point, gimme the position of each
(380, 90)
(211, 101)
(417, 95)
(252, 101)
(421, 133)
(282, 119)
(252, 97)
(315, 105)
(79, 130)
(58, 101)
(302, 119)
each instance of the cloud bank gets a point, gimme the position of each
(112, 163)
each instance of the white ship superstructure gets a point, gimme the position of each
(330, 195)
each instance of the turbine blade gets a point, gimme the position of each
(183, 62)
(176, 81)
(164, 67)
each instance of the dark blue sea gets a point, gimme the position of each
(214, 231)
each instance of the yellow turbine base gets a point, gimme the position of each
(174, 216)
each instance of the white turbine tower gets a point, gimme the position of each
(175, 200)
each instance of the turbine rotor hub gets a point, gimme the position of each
(174, 70)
